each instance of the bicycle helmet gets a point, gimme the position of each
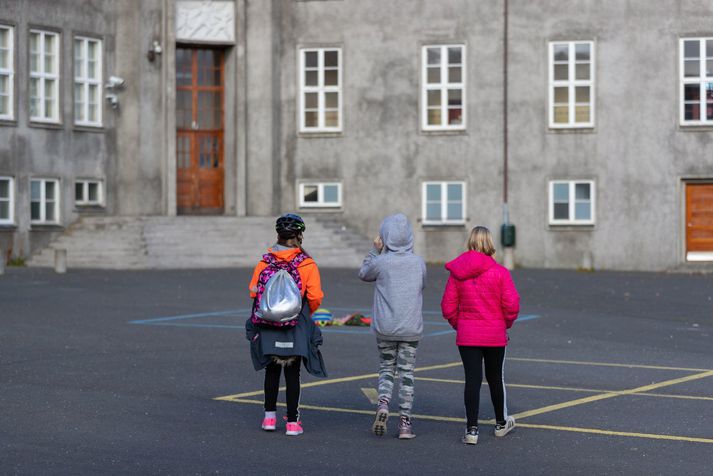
(289, 224)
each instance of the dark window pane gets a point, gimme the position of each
(561, 52)
(692, 68)
(434, 97)
(561, 72)
(434, 75)
(331, 100)
(455, 75)
(434, 55)
(79, 191)
(433, 211)
(581, 191)
(692, 112)
(311, 78)
(4, 210)
(331, 119)
(454, 55)
(49, 211)
(561, 95)
(561, 211)
(331, 59)
(93, 192)
(311, 119)
(582, 71)
(311, 193)
(455, 116)
(455, 211)
(35, 189)
(4, 189)
(311, 100)
(311, 59)
(35, 211)
(691, 49)
(331, 77)
(455, 97)
(692, 92)
(582, 52)
(434, 117)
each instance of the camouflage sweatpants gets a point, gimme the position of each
(397, 358)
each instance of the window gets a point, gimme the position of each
(7, 201)
(87, 81)
(443, 92)
(443, 203)
(7, 72)
(696, 81)
(88, 192)
(321, 90)
(321, 194)
(44, 201)
(44, 76)
(571, 202)
(571, 88)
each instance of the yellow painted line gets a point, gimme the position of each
(605, 364)
(597, 431)
(371, 394)
(491, 422)
(338, 380)
(575, 389)
(604, 396)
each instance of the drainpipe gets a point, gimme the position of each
(507, 230)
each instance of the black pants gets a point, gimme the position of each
(272, 387)
(473, 358)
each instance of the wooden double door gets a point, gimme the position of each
(699, 221)
(199, 130)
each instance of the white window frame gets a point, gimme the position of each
(320, 90)
(81, 48)
(444, 202)
(10, 220)
(444, 87)
(85, 192)
(571, 83)
(43, 76)
(320, 203)
(701, 80)
(572, 202)
(9, 73)
(43, 201)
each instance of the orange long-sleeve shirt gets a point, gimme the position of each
(309, 274)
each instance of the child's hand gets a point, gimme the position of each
(378, 244)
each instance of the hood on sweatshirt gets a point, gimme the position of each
(396, 233)
(470, 264)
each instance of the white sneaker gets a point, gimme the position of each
(471, 436)
(502, 430)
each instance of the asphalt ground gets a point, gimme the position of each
(105, 372)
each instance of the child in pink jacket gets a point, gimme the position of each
(480, 302)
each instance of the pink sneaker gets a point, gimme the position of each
(269, 424)
(294, 428)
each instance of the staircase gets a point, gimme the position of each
(195, 242)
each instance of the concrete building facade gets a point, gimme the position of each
(357, 109)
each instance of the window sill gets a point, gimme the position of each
(442, 226)
(571, 130)
(7, 227)
(88, 128)
(317, 210)
(320, 134)
(46, 227)
(46, 125)
(695, 127)
(8, 122)
(571, 226)
(98, 208)
(444, 132)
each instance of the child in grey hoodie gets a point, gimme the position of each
(400, 277)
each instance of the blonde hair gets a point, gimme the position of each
(481, 240)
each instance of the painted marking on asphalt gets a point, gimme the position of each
(319, 383)
(605, 364)
(573, 389)
(371, 394)
(574, 429)
(594, 398)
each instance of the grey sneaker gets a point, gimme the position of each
(471, 436)
(502, 430)
(382, 414)
(406, 429)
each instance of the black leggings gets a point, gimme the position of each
(473, 365)
(272, 387)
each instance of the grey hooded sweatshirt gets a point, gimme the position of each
(400, 277)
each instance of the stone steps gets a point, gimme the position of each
(194, 242)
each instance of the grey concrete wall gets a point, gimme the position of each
(62, 151)
(382, 156)
(637, 153)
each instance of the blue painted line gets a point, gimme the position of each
(190, 316)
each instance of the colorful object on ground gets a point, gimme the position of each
(322, 317)
(355, 319)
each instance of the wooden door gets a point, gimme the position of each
(699, 218)
(199, 130)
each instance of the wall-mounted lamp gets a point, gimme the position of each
(115, 83)
(154, 50)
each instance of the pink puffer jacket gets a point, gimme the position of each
(480, 300)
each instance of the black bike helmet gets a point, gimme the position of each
(289, 224)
